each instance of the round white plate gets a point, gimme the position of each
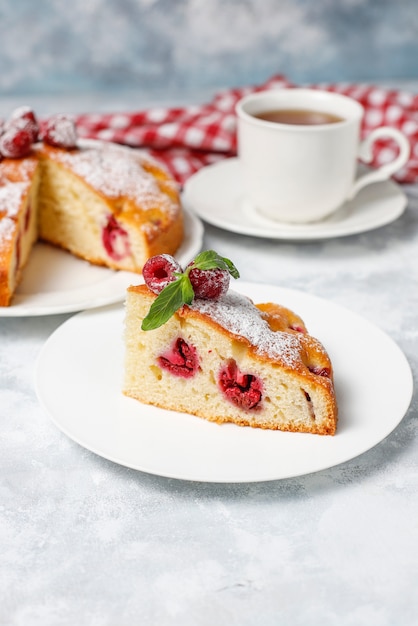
(57, 282)
(215, 193)
(79, 376)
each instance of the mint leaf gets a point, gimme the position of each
(209, 260)
(169, 301)
(180, 291)
(231, 268)
(186, 289)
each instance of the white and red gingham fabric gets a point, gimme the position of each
(186, 139)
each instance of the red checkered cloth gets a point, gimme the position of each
(186, 139)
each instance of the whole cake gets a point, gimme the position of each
(108, 204)
(193, 345)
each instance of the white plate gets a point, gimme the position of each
(215, 193)
(57, 282)
(79, 378)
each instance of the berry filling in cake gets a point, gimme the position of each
(115, 240)
(243, 390)
(27, 217)
(320, 371)
(180, 360)
(297, 328)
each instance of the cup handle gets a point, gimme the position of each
(385, 171)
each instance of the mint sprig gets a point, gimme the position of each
(171, 298)
(209, 260)
(180, 291)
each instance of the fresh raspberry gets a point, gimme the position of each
(24, 112)
(15, 143)
(181, 360)
(209, 284)
(115, 240)
(243, 390)
(159, 271)
(60, 131)
(23, 118)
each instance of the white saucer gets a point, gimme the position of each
(215, 193)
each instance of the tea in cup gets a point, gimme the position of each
(299, 150)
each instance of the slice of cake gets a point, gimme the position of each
(19, 183)
(107, 204)
(221, 357)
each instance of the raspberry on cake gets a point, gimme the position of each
(107, 204)
(223, 358)
(159, 271)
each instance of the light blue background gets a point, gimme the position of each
(63, 47)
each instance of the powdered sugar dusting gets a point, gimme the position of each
(60, 131)
(10, 171)
(11, 196)
(7, 226)
(115, 171)
(12, 192)
(241, 317)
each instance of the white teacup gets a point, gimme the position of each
(302, 172)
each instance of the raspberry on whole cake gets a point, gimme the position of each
(206, 350)
(108, 204)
